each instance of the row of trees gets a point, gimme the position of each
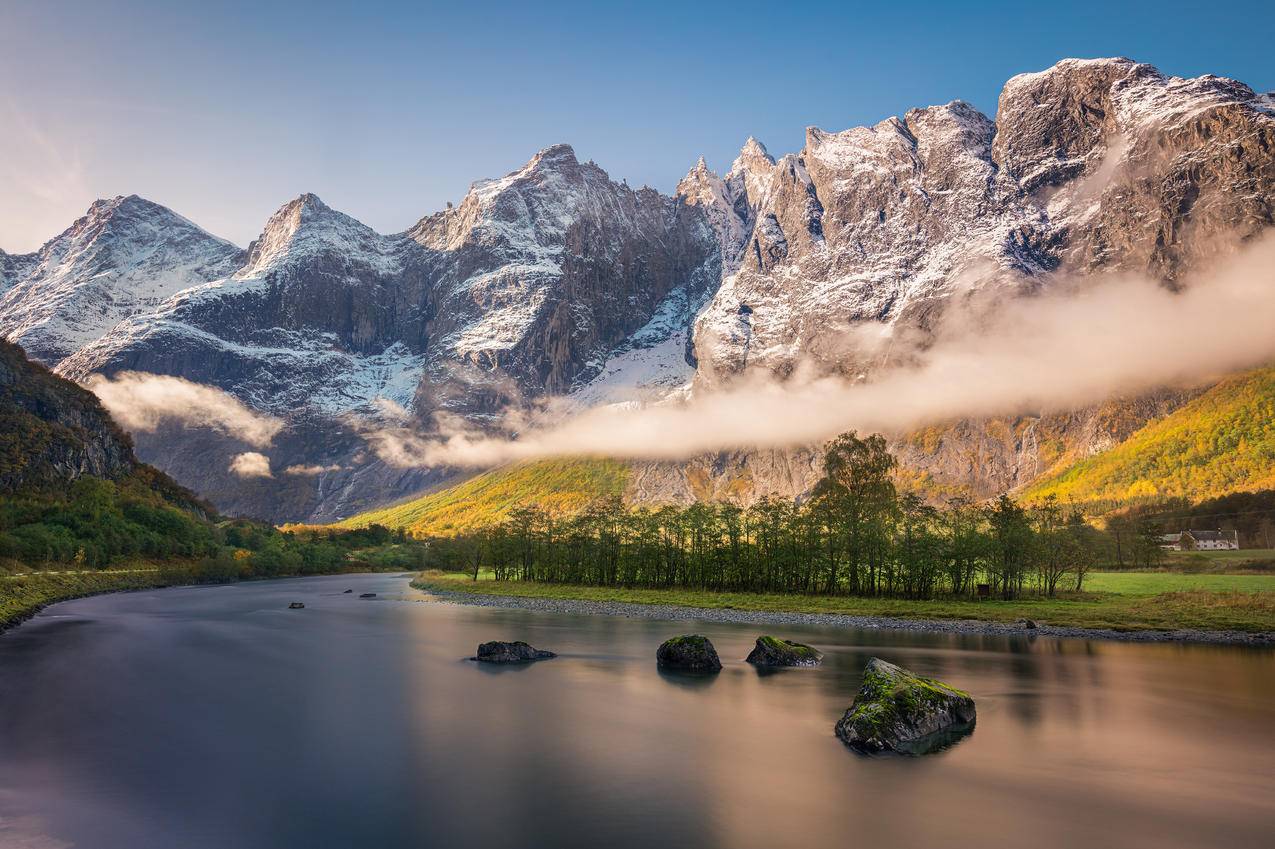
(856, 534)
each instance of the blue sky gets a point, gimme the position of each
(388, 110)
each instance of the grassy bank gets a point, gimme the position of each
(21, 596)
(1123, 602)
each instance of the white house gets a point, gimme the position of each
(1201, 541)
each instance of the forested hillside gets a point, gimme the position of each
(559, 487)
(1218, 443)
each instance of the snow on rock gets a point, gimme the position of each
(649, 366)
(1091, 164)
(325, 313)
(124, 257)
(540, 273)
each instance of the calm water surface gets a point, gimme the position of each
(215, 717)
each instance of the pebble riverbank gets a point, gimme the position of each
(838, 620)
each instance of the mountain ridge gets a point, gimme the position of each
(556, 280)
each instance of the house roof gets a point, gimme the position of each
(1211, 536)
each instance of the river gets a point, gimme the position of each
(216, 717)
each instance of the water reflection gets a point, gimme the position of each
(214, 717)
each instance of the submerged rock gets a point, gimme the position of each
(515, 652)
(296, 605)
(901, 712)
(772, 651)
(689, 653)
(367, 595)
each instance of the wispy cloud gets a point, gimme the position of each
(142, 402)
(251, 464)
(310, 471)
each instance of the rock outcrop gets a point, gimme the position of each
(514, 652)
(897, 711)
(772, 651)
(689, 653)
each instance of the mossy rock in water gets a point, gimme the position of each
(689, 653)
(772, 651)
(896, 711)
(515, 652)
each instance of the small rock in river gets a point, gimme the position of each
(689, 653)
(515, 652)
(772, 651)
(296, 605)
(367, 595)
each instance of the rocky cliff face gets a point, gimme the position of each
(555, 280)
(542, 273)
(1090, 166)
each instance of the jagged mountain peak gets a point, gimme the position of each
(699, 174)
(753, 147)
(1057, 124)
(103, 206)
(550, 160)
(533, 205)
(753, 159)
(749, 179)
(555, 154)
(1114, 66)
(122, 212)
(306, 226)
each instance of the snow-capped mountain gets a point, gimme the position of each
(528, 287)
(124, 257)
(324, 313)
(556, 280)
(1090, 165)
(731, 203)
(539, 275)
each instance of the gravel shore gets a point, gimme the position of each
(838, 620)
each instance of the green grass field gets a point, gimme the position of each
(1119, 601)
(1151, 583)
(1220, 559)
